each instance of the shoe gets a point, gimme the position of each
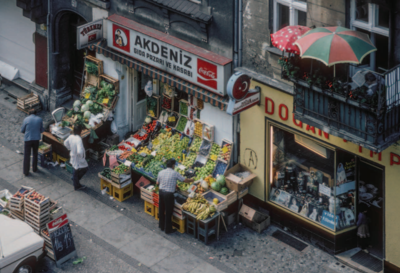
(170, 232)
(81, 188)
(26, 174)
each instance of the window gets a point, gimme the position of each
(289, 13)
(143, 80)
(311, 179)
(373, 20)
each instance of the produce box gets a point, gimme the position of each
(44, 147)
(223, 202)
(172, 119)
(189, 129)
(208, 131)
(215, 151)
(200, 161)
(124, 147)
(181, 125)
(141, 135)
(17, 200)
(5, 197)
(93, 69)
(56, 212)
(118, 171)
(28, 103)
(89, 91)
(205, 148)
(226, 151)
(109, 80)
(198, 128)
(192, 113)
(236, 183)
(183, 108)
(153, 106)
(109, 106)
(220, 168)
(146, 193)
(167, 103)
(254, 219)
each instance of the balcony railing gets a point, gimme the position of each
(354, 114)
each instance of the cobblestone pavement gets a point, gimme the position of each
(238, 250)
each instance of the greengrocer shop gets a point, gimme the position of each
(313, 183)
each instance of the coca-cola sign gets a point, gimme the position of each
(186, 61)
(207, 73)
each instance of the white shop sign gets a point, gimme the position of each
(89, 34)
(169, 58)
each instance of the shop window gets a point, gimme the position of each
(289, 13)
(302, 179)
(373, 20)
(143, 80)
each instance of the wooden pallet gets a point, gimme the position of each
(90, 78)
(30, 110)
(29, 101)
(111, 80)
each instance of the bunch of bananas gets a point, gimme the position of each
(204, 214)
(199, 206)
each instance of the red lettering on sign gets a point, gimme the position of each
(286, 110)
(297, 123)
(344, 140)
(394, 156)
(371, 154)
(267, 111)
(326, 135)
(207, 73)
(360, 149)
(310, 128)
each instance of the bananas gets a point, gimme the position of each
(200, 207)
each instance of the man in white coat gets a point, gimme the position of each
(77, 157)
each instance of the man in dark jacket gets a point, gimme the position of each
(32, 127)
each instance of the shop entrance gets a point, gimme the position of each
(371, 194)
(137, 102)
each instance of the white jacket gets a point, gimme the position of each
(77, 152)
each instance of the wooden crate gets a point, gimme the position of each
(29, 101)
(85, 85)
(30, 110)
(44, 149)
(115, 185)
(171, 102)
(111, 80)
(18, 203)
(90, 78)
(228, 160)
(37, 210)
(116, 178)
(157, 111)
(18, 214)
(227, 199)
(199, 131)
(112, 105)
(208, 131)
(181, 104)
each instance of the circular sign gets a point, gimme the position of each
(238, 86)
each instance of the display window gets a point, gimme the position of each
(312, 179)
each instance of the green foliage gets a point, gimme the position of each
(91, 68)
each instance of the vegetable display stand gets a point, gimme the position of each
(109, 80)
(207, 228)
(115, 185)
(226, 150)
(105, 184)
(178, 224)
(153, 106)
(92, 74)
(115, 177)
(191, 224)
(124, 193)
(149, 208)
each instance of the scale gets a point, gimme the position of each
(60, 132)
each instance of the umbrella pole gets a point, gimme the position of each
(334, 71)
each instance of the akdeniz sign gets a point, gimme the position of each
(241, 97)
(167, 54)
(89, 34)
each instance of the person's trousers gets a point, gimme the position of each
(77, 175)
(28, 146)
(166, 205)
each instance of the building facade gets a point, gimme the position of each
(322, 157)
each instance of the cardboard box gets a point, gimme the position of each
(254, 219)
(236, 183)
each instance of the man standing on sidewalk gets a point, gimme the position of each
(167, 180)
(77, 157)
(32, 127)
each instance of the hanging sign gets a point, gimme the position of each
(241, 97)
(89, 34)
(61, 239)
(189, 62)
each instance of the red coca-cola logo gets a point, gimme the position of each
(207, 74)
(92, 37)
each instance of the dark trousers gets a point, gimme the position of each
(166, 205)
(77, 175)
(363, 242)
(28, 146)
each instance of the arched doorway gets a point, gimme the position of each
(68, 62)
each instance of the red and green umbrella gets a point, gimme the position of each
(284, 38)
(335, 45)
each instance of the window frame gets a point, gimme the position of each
(294, 7)
(372, 27)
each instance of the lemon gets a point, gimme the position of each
(215, 201)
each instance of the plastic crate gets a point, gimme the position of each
(69, 167)
(124, 193)
(178, 224)
(149, 208)
(156, 213)
(220, 168)
(105, 184)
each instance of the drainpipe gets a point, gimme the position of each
(49, 75)
(235, 34)
(240, 15)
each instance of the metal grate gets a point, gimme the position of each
(289, 240)
(367, 261)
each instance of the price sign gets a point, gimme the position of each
(87, 95)
(105, 100)
(324, 190)
(127, 163)
(225, 150)
(171, 119)
(134, 150)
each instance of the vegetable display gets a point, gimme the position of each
(91, 68)
(106, 173)
(154, 167)
(215, 150)
(151, 106)
(166, 103)
(181, 124)
(195, 147)
(205, 171)
(198, 128)
(183, 108)
(121, 169)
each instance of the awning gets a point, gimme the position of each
(198, 92)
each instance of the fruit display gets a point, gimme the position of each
(205, 148)
(202, 173)
(21, 193)
(215, 150)
(208, 132)
(35, 197)
(124, 147)
(149, 128)
(198, 128)
(220, 168)
(166, 103)
(144, 150)
(121, 169)
(199, 206)
(189, 160)
(200, 189)
(124, 155)
(183, 108)
(195, 147)
(135, 158)
(225, 152)
(141, 136)
(172, 119)
(154, 167)
(181, 124)
(183, 186)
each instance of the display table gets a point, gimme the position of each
(59, 148)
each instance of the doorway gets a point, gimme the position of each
(137, 105)
(371, 195)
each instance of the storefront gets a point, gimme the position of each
(139, 56)
(316, 184)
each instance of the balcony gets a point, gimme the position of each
(341, 108)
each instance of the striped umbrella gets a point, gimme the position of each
(335, 45)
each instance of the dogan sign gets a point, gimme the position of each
(169, 58)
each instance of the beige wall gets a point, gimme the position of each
(323, 13)
(253, 138)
